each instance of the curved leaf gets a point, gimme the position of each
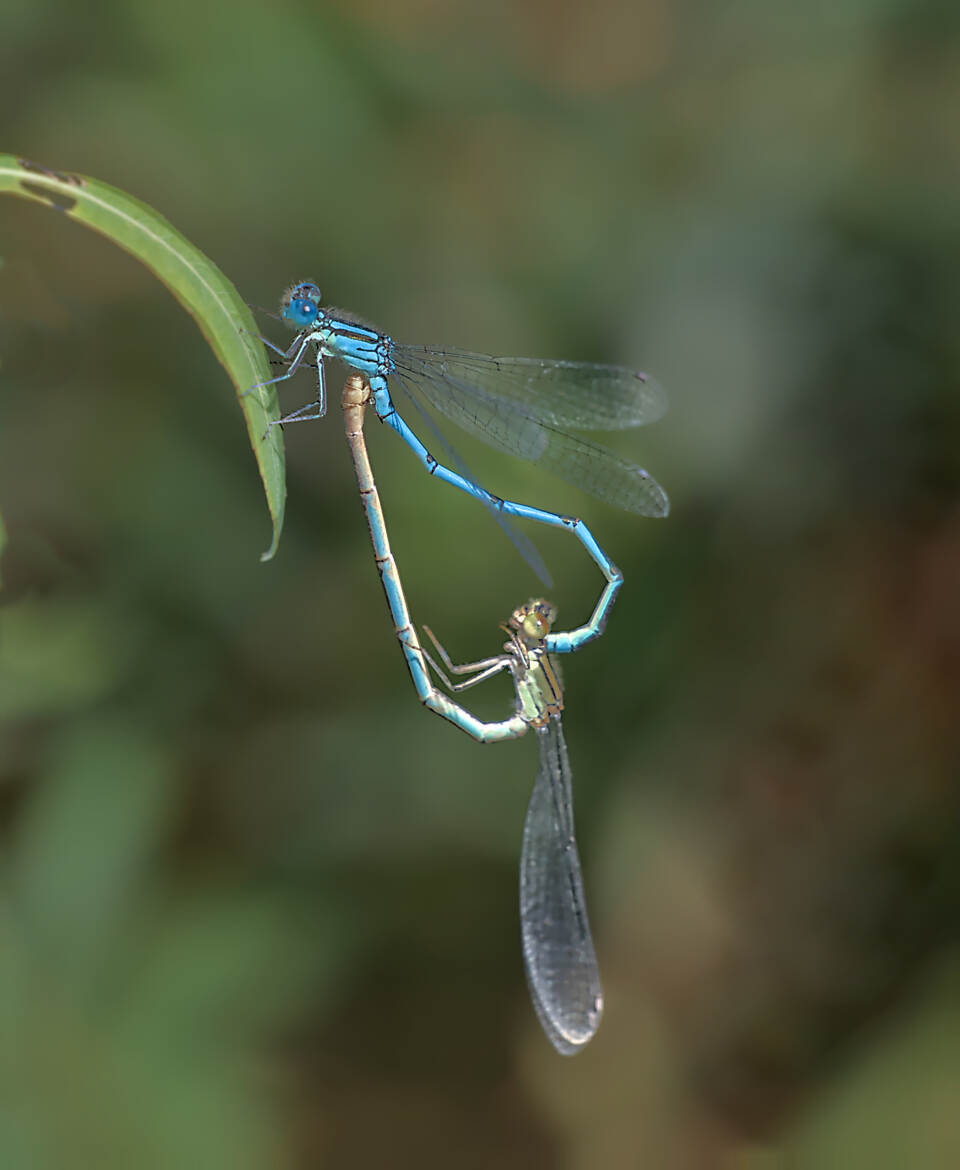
(193, 279)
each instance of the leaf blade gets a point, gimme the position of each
(195, 281)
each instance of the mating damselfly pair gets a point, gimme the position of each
(521, 406)
(524, 407)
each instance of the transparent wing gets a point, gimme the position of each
(508, 427)
(558, 950)
(522, 543)
(580, 395)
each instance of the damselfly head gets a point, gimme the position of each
(533, 620)
(300, 305)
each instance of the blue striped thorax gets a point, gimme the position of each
(336, 332)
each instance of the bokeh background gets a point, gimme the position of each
(258, 908)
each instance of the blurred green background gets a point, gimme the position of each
(257, 908)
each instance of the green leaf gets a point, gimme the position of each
(194, 280)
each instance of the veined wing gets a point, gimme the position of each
(511, 428)
(558, 952)
(580, 395)
(520, 541)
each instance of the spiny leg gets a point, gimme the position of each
(496, 666)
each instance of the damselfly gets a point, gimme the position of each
(558, 952)
(521, 406)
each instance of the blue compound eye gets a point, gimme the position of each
(301, 305)
(300, 311)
